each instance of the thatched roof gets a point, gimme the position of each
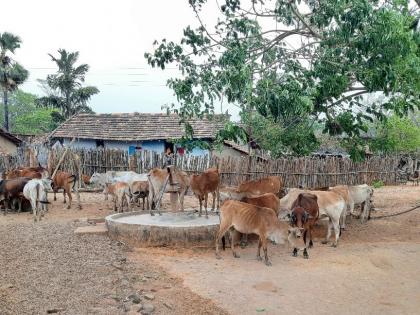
(10, 137)
(132, 127)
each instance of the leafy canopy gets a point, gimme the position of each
(25, 117)
(297, 62)
(65, 90)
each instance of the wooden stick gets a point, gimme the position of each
(62, 158)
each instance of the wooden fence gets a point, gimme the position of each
(306, 172)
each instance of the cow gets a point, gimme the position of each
(36, 191)
(86, 179)
(304, 214)
(270, 184)
(203, 184)
(119, 192)
(249, 219)
(355, 195)
(140, 189)
(65, 181)
(11, 189)
(331, 205)
(157, 179)
(100, 179)
(30, 172)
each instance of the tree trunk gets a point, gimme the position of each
(6, 110)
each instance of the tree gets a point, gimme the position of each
(25, 117)
(65, 88)
(297, 62)
(397, 135)
(12, 74)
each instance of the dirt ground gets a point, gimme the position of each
(46, 267)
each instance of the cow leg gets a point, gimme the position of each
(232, 246)
(259, 250)
(127, 197)
(206, 198)
(222, 231)
(305, 254)
(214, 200)
(311, 244)
(264, 246)
(55, 192)
(181, 198)
(19, 205)
(70, 198)
(200, 201)
(34, 209)
(336, 224)
(328, 232)
(64, 195)
(244, 240)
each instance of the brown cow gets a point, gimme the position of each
(30, 172)
(119, 191)
(65, 181)
(304, 214)
(140, 189)
(250, 219)
(203, 184)
(157, 178)
(11, 189)
(271, 184)
(86, 179)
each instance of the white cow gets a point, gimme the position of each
(36, 192)
(331, 205)
(100, 179)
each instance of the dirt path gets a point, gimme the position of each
(45, 266)
(373, 271)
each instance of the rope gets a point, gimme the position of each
(395, 214)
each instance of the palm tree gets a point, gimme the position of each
(12, 74)
(64, 88)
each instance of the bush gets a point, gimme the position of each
(378, 184)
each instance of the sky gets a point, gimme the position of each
(111, 36)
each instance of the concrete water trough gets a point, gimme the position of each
(185, 229)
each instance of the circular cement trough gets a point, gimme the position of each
(169, 229)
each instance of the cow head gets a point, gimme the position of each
(98, 179)
(230, 193)
(298, 217)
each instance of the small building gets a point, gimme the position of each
(8, 143)
(132, 132)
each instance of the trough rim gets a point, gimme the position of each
(111, 219)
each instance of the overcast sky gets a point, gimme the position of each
(111, 36)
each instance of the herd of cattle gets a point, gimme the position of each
(254, 207)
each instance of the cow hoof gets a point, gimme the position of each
(305, 254)
(218, 256)
(268, 263)
(68, 207)
(324, 242)
(334, 245)
(243, 244)
(236, 255)
(207, 216)
(259, 258)
(311, 244)
(295, 252)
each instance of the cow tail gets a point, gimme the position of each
(37, 195)
(72, 179)
(223, 242)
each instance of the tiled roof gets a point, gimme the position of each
(10, 137)
(132, 127)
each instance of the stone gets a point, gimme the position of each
(147, 308)
(149, 296)
(135, 298)
(92, 229)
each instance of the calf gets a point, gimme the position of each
(140, 189)
(304, 214)
(247, 219)
(65, 181)
(119, 192)
(36, 191)
(86, 179)
(11, 189)
(203, 184)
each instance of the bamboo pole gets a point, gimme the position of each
(62, 158)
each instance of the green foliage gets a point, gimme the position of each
(348, 49)
(397, 135)
(377, 184)
(26, 117)
(12, 74)
(65, 88)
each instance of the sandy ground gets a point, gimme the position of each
(374, 270)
